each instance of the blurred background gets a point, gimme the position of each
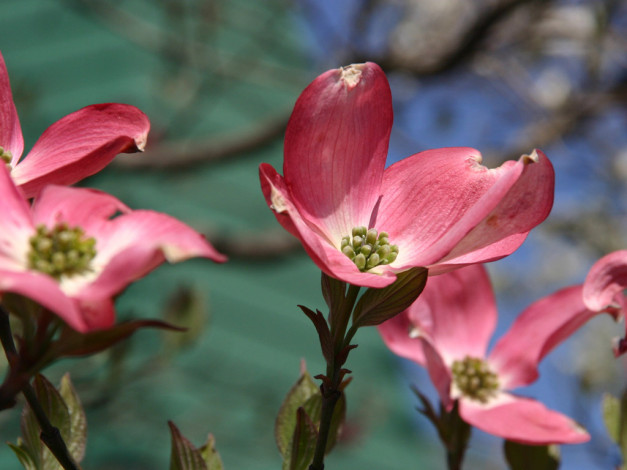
(218, 79)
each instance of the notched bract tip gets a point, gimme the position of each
(351, 75)
(140, 142)
(278, 203)
(531, 158)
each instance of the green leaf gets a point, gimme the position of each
(615, 418)
(524, 457)
(313, 408)
(612, 416)
(58, 414)
(299, 394)
(210, 454)
(64, 411)
(378, 305)
(30, 433)
(184, 456)
(303, 442)
(78, 421)
(23, 455)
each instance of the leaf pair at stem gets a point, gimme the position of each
(315, 414)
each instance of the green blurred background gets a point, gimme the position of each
(218, 79)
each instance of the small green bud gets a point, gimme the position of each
(357, 241)
(44, 245)
(371, 236)
(366, 250)
(348, 251)
(58, 261)
(360, 261)
(73, 257)
(384, 251)
(373, 261)
(358, 231)
(345, 242)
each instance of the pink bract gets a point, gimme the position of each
(74, 147)
(128, 246)
(455, 317)
(603, 289)
(442, 208)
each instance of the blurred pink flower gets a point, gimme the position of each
(440, 208)
(72, 253)
(77, 146)
(603, 289)
(448, 329)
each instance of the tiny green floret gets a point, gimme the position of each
(368, 248)
(474, 379)
(61, 251)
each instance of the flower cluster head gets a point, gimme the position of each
(61, 250)
(439, 209)
(447, 330)
(74, 249)
(368, 248)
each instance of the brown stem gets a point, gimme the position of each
(331, 392)
(458, 435)
(13, 382)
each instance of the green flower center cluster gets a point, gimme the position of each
(474, 379)
(367, 248)
(61, 251)
(5, 156)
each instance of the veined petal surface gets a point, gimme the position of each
(537, 330)
(463, 312)
(442, 204)
(81, 144)
(89, 209)
(133, 244)
(522, 420)
(336, 145)
(402, 333)
(45, 291)
(16, 227)
(527, 202)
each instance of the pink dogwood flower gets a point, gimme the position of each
(361, 222)
(71, 252)
(447, 330)
(77, 146)
(603, 289)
